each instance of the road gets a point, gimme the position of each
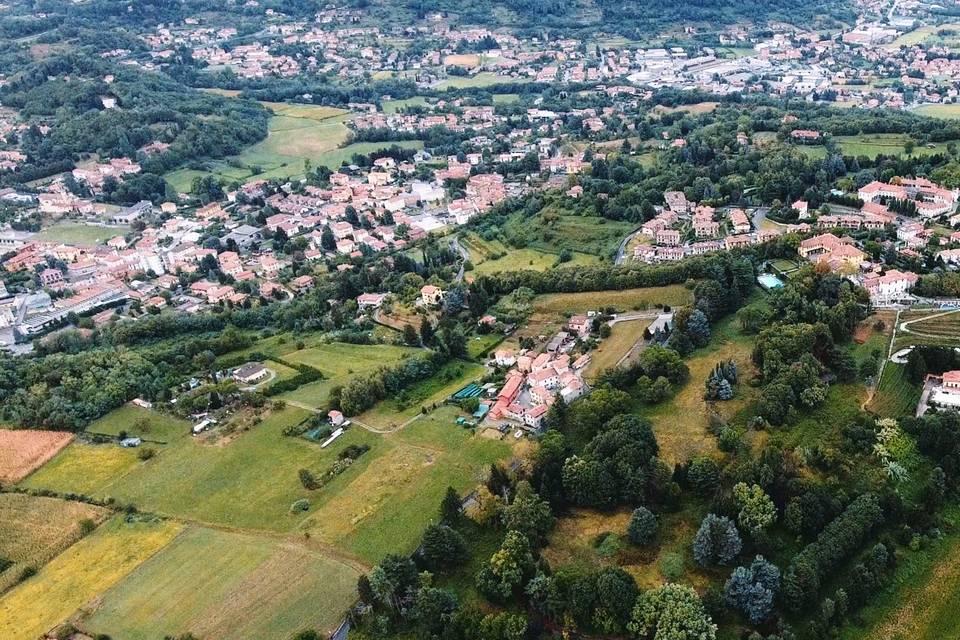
(622, 249)
(459, 248)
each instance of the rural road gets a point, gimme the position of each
(622, 249)
(362, 425)
(463, 253)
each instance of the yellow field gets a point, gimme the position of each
(78, 575)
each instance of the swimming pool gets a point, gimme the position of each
(769, 281)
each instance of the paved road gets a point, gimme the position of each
(463, 253)
(622, 249)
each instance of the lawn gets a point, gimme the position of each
(923, 601)
(220, 585)
(451, 378)
(79, 234)
(24, 450)
(623, 336)
(681, 422)
(78, 575)
(34, 529)
(339, 362)
(395, 106)
(385, 508)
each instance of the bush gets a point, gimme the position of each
(643, 526)
(672, 566)
(300, 505)
(146, 453)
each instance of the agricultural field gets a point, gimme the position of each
(221, 585)
(623, 336)
(24, 450)
(930, 327)
(34, 529)
(78, 575)
(681, 422)
(79, 234)
(385, 507)
(339, 362)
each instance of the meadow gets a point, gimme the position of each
(945, 111)
(35, 529)
(492, 256)
(386, 506)
(78, 575)
(483, 79)
(623, 336)
(220, 585)
(340, 362)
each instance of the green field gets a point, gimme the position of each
(220, 585)
(450, 379)
(394, 106)
(608, 353)
(484, 79)
(339, 362)
(923, 600)
(945, 111)
(895, 396)
(296, 132)
(136, 421)
(79, 234)
(78, 575)
(386, 506)
(492, 256)
(35, 529)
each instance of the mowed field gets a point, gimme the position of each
(340, 362)
(79, 234)
(23, 450)
(78, 575)
(944, 111)
(220, 585)
(34, 529)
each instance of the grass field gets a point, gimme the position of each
(296, 132)
(90, 469)
(24, 450)
(872, 145)
(35, 529)
(945, 111)
(923, 601)
(681, 422)
(694, 109)
(386, 506)
(484, 256)
(394, 106)
(79, 234)
(623, 336)
(144, 423)
(484, 79)
(79, 574)
(220, 585)
(339, 362)
(584, 234)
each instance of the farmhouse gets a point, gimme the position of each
(251, 373)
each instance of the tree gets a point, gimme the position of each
(307, 480)
(450, 506)
(643, 526)
(704, 475)
(434, 607)
(528, 514)
(752, 589)
(410, 336)
(443, 547)
(671, 612)
(757, 511)
(508, 569)
(616, 594)
(717, 541)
